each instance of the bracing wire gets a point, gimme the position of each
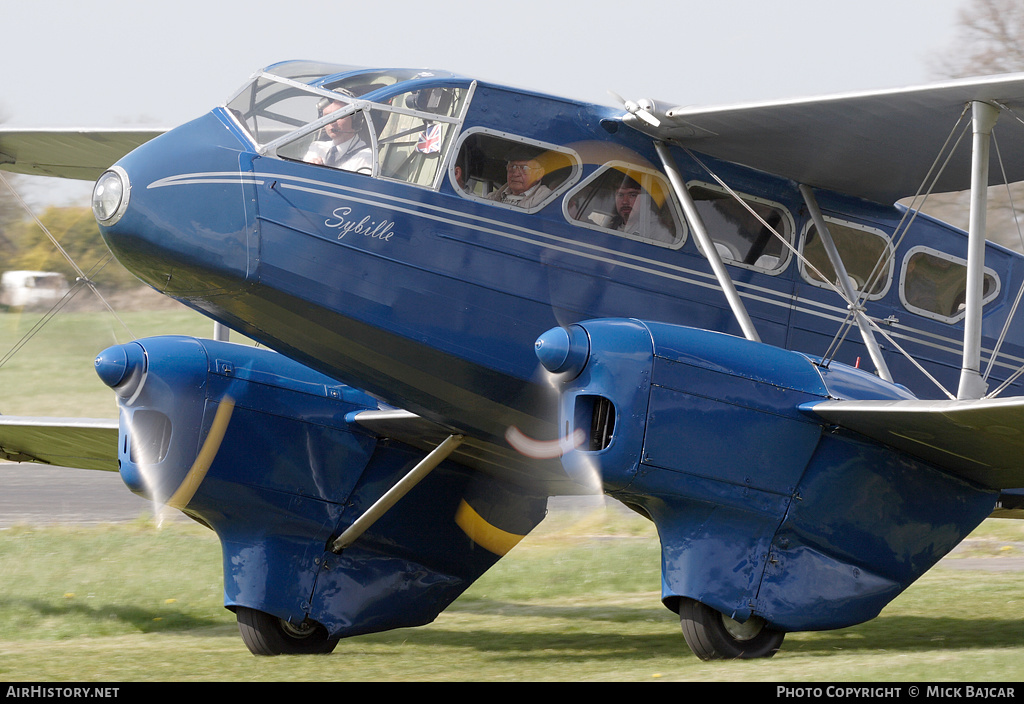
(935, 171)
(1020, 293)
(789, 245)
(54, 309)
(85, 279)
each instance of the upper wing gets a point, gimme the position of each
(65, 442)
(877, 145)
(79, 154)
(982, 441)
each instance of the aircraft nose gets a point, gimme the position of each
(178, 211)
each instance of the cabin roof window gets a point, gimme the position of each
(276, 101)
(270, 108)
(934, 284)
(512, 172)
(866, 253)
(746, 230)
(629, 201)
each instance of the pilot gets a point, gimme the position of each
(523, 187)
(348, 148)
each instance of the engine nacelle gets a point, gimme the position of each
(269, 454)
(761, 508)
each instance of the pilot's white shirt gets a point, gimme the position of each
(351, 155)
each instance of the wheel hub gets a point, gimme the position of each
(302, 630)
(747, 630)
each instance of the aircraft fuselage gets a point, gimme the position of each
(431, 296)
(414, 234)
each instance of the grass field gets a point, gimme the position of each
(51, 373)
(576, 601)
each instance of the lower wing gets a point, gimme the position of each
(979, 440)
(84, 443)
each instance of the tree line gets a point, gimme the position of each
(24, 245)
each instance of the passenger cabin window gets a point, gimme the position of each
(934, 284)
(629, 201)
(512, 172)
(748, 234)
(866, 254)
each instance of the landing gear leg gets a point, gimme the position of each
(712, 635)
(265, 634)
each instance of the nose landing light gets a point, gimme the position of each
(110, 195)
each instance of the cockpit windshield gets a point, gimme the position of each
(309, 112)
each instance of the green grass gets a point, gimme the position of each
(576, 601)
(51, 374)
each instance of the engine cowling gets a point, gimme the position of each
(761, 508)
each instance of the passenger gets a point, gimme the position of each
(461, 171)
(637, 214)
(625, 200)
(524, 187)
(348, 148)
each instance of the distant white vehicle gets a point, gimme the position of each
(32, 288)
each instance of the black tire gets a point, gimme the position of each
(712, 635)
(265, 634)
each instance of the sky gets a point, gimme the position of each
(108, 63)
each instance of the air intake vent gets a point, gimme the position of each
(602, 423)
(150, 437)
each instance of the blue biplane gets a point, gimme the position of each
(472, 298)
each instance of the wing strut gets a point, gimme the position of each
(704, 239)
(400, 489)
(844, 281)
(972, 384)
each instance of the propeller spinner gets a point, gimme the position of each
(641, 109)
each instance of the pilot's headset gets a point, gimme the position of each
(358, 119)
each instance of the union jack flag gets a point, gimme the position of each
(430, 140)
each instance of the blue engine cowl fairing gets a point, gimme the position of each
(761, 509)
(266, 452)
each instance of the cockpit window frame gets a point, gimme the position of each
(266, 148)
(419, 80)
(450, 141)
